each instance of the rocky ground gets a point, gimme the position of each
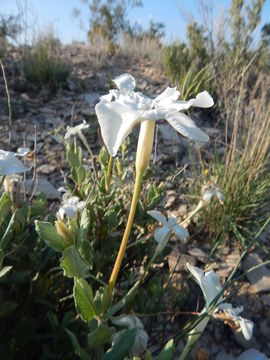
(36, 118)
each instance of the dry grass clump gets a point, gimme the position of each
(243, 172)
(143, 47)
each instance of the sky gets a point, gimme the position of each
(42, 14)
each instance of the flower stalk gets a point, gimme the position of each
(109, 174)
(144, 149)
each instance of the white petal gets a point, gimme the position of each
(186, 127)
(203, 100)
(68, 210)
(207, 195)
(246, 327)
(161, 234)
(125, 82)
(140, 343)
(4, 155)
(129, 321)
(181, 232)
(167, 96)
(157, 215)
(213, 286)
(12, 166)
(116, 122)
(62, 189)
(209, 283)
(219, 195)
(22, 151)
(172, 221)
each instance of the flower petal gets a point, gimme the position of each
(246, 327)
(167, 96)
(208, 282)
(116, 122)
(213, 286)
(161, 234)
(180, 232)
(186, 127)
(172, 221)
(22, 151)
(140, 343)
(157, 215)
(203, 100)
(125, 82)
(129, 321)
(12, 166)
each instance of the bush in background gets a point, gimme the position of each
(43, 66)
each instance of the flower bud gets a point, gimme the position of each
(145, 144)
(64, 231)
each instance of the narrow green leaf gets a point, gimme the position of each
(122, 347)
(49, 234)
(83, 298)
(5, 270)
(167, 352)
(5, 207)
(73, 265)
(76, 346)
(8, 233)
(126, 299)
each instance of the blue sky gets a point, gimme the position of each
(173, 13)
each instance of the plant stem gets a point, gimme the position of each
(144, 149)
(118, 262)
(185, 352)
(108, 174)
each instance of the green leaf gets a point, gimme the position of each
(85, 219)
(73, 265)
(122, 347)
(76, 346)
(72, 157)
(86, 252)
(5, 270)
(8, 233)
(5, 207)
(81, 174)
(2, 255)
(7, 308)
(49, 234)
(84, 301)
(112, 219)
(125, 300)
(167, 352)
(100, 336)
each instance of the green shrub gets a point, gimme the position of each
(43, 66)
(184, 72)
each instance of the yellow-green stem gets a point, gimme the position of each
(185, 352)
(194, 212)
(108, 174)
(118, 262)
(144, 149)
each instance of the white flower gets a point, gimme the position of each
(211, 287)
(168, 227)
(212, 191)
(76, 130)
(120, 110)
(131, 322)
(70, 206)
(10, 165)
